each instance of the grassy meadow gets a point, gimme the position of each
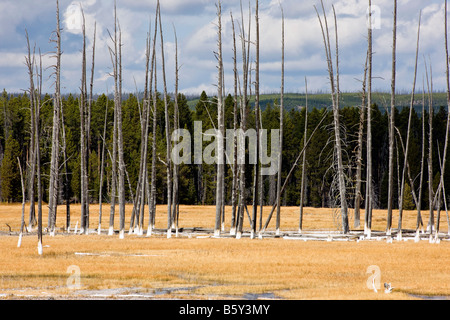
(196, 266)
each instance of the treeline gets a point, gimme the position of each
(197, 183)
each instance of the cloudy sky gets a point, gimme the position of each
(195, 21)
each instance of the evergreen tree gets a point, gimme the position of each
(9, 173)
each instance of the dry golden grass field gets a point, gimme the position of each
(197, 266)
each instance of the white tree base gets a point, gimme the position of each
(40, 250)
(122, 234)
(110, 231)
(19, 243)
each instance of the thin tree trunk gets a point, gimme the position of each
(38, 155)
(362, 120)
(400, 220)
(175, 214)
(168, 143)
(54, 162)
(392, 126)
(303, 181)
(30, 61)
(152, 199)
(280, 155)
(102, 170)
(235, 147)
(244, 103)
(335, 98)
(430, 154)
(22, 224)
(369, 188)
(220, 120)
(447, 136)
(114, 58)
(83, 107)
(257, 123)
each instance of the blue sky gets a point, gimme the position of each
(195, 24)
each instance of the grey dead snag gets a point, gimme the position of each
(392, 126)
(83, 142)
(245, 41)
(54, 162)
(336, 115)
(30, 62)
(256, 185)
(359, 159)
(280, 155)
(221, 130)
(369, 182)
(176, 168)
(234, 189)
(402, 190)
(152, 187)
(303, 179)
(168, 140)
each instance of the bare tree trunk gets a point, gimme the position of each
(244, 103)
(30, 62)
(447, 136)
(235, 147)
(303, 181)
(220, 133)
(22, 224)
(54, 164)
(38, 154)
(120, 143)
(257, 123)
(400, 220)
(168, 143)
(369, 188)
(280, 155)
(102, 170)
(335, 98)
(362, 120)
(430, 154)
(152, 198)
(175, 214)
(392, 127)
(88, 134)
(83, 107)
(115, 63)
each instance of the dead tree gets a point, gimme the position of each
(221, 130)
(30, 62)
(54, 162)
(234, 189)
(280, 155)
(258, 125)
(369, 182)
(22, 224)
(115, 63)
(359, 157)
(392, 126)
(336, 115)
(303, 179)
(83, 141)
(102, 170)
(245, 41)
(402, 191)
(152, 187)
(176, 121)
(167, 129)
